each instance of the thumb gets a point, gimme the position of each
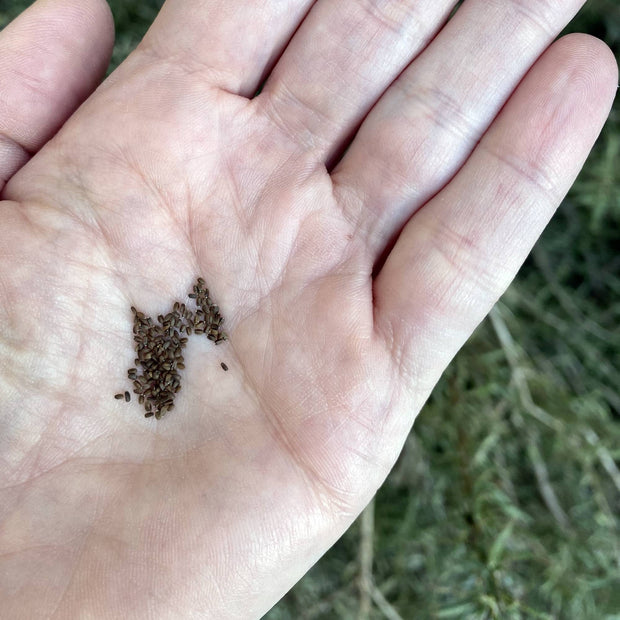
(51, 59)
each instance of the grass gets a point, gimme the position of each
(505, 502)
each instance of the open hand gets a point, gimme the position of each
(355, 221)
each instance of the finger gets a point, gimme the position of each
(232, 44)
(427, 124)
(461, 250)
(51, 58)
(343, 57)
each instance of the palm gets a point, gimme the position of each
(293, 414)
(142, 191)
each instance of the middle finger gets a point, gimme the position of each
(338, 64)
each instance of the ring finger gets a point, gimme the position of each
(427, 124)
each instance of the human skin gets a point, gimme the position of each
(351, 265)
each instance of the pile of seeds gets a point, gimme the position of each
(159, 348)
(207, 319)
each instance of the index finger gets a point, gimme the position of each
(232, 44)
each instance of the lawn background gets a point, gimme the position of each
(505, 502)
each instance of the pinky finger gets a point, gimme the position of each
(460, 252)
(51, 59)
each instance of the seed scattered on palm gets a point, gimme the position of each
(159, 349)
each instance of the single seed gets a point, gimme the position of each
(118, 396)
(127, 397)
(149, 414)
(224, 367)
(192, 295)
